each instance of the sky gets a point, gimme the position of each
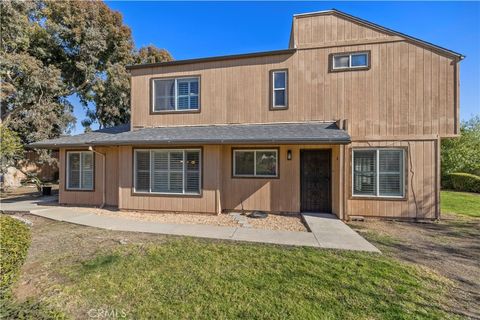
(203, 29)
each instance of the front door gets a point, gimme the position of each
(315, 174)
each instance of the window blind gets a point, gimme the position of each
(168, 171)
(378, 172)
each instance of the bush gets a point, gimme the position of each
(29, 309)
(461, 182)
(14, 243)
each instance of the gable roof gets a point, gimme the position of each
(336, 12)
(380, 28)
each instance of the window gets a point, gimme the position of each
(175, 171)
(378, 173)
(179, 94)
(255, 163)
(346, 61)
(279, 80)
(80, 166)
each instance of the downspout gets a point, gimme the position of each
(103, 175)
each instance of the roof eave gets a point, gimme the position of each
(222, 142)
(208, 59)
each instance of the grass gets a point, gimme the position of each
(461, 203)
(196, 279)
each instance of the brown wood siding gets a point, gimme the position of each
(92, 197)
(204, 203)
(422, 187)
(316, 30)
(407, 91)
(271, 194)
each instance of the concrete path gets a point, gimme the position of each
(330, 232)
(327, 232)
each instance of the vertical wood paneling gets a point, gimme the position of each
(421, 191)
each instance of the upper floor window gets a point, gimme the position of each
(350, 61)
(80, 166)
(378, 172)
(176, 94)
(279, 83)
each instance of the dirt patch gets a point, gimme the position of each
(25, 192)
(450, 247)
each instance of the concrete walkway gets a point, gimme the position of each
(327, 231)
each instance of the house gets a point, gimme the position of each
(347, 120)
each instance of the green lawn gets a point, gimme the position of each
(461, 203)
(195, 279)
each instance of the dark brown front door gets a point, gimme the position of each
(315, 174)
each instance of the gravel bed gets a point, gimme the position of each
(279, 222)
(286, 222)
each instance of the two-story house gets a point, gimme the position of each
(347, 120)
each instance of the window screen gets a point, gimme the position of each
(177, 94)
(350, 60)
(80, 170)
(378, 172)
(168, 171)
(279, 88)
(255, 163)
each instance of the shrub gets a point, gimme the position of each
(14, 243)
(461, 182)
(29, 309)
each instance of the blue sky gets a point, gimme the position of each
(202, 29)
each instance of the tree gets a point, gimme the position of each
(51, 50)
(11, 146)
(33, 102)
(462, 154)
(151, 54)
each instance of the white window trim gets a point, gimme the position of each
(67, 186)
(377, 174)
(176, 94)
(183, 172)
(255, 163)
(274, 105)
(350, 60)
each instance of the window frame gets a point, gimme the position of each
(156, 193)
(67, 171)
(152, 95)
(272, 89)
(255, 176)
(332, 56)
(377, 196)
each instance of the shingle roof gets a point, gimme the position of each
(235, 133)
(80, 140)
(275, 133)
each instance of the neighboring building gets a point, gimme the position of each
(347, 120)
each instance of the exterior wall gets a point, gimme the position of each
(276, 194)
(207, 202)
(94, 197)
(408, 91)
(422, 187)
(316, 30)
(223, 192)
